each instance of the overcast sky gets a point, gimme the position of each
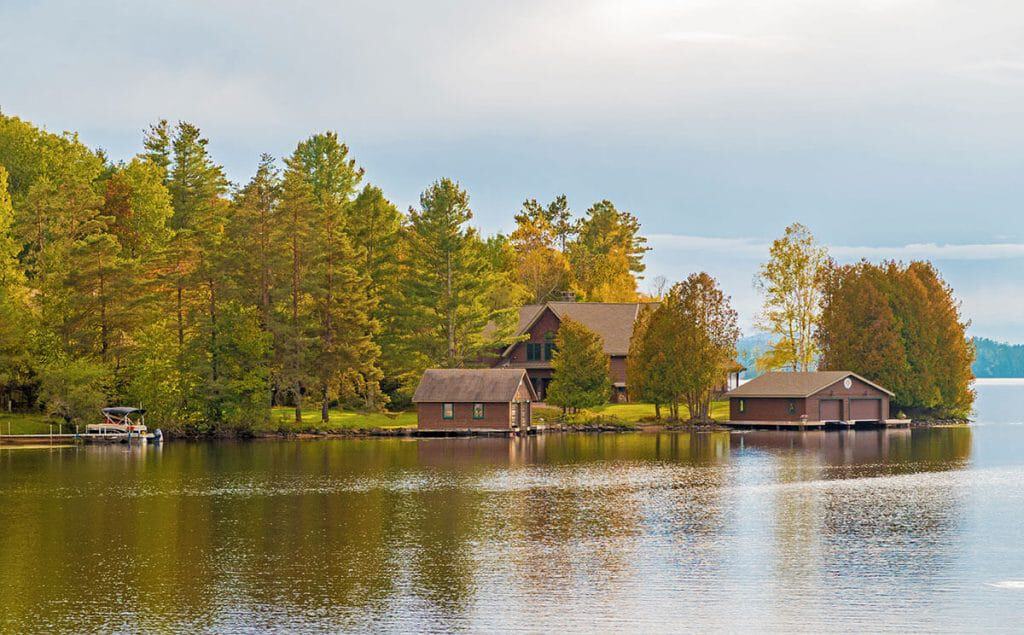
(893, 128)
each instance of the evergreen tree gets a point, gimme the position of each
(606, 257)
(651, 367)
(295, 324)
(373, 225)
(448, 283)
(345, 356)
(580, 368)
(899, 326)
(256, 259)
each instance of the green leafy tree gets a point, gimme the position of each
(541, 269)
(704, 340)
(15, 315)
(791, 282)
(580, 368)
(74, 390)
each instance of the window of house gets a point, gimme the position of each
(534, 351)
(478, 411)
(447, 411)
(792, 407)
(549, 345)
(743, 405)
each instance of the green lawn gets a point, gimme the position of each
(30, 423)
(637, 412)
(284, 419)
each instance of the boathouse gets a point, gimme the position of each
(474, 399)
(821, 397)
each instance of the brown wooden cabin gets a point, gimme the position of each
(613, 321)
(474, 399)
(822, 396)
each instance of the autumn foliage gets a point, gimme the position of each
(900, 326)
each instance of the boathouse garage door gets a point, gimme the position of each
(866, 409)
(830, 410)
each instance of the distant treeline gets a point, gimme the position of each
(997, 359)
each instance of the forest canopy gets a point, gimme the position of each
(156, 282)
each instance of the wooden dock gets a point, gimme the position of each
(816, 425)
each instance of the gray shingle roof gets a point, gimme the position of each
(470, 385)
(782, 384)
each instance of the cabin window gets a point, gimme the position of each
(549, 345)
(792, 407)
(743, 405)
(447, 411)
(534, 351)
(478, 411)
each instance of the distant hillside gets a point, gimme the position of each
(996, 359)
(750, 348)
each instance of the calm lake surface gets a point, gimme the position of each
(918, 530)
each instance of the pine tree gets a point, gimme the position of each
(580, 368)
(374, 224)
(345, 357)
(257, 260)
(447, 281)
(295, 324)
(197, 186)
(606, 257)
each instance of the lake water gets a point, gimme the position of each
(898, 530)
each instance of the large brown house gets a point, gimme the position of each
(474, 399)
(823, 396)
(613, 321)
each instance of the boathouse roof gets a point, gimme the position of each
(796, 385)
(475, 385)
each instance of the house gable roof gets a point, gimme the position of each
(796, 385)
(613, 321)
(476, 385)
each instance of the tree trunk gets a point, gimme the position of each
(657, 411)
(324, 413)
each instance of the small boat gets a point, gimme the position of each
(120, 424)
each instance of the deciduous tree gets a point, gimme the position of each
(791, 282)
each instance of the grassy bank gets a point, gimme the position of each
(283, 419)
(633, 412)
(28, 423)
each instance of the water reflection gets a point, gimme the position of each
(556, 532)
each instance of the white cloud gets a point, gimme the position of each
(757, 248)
